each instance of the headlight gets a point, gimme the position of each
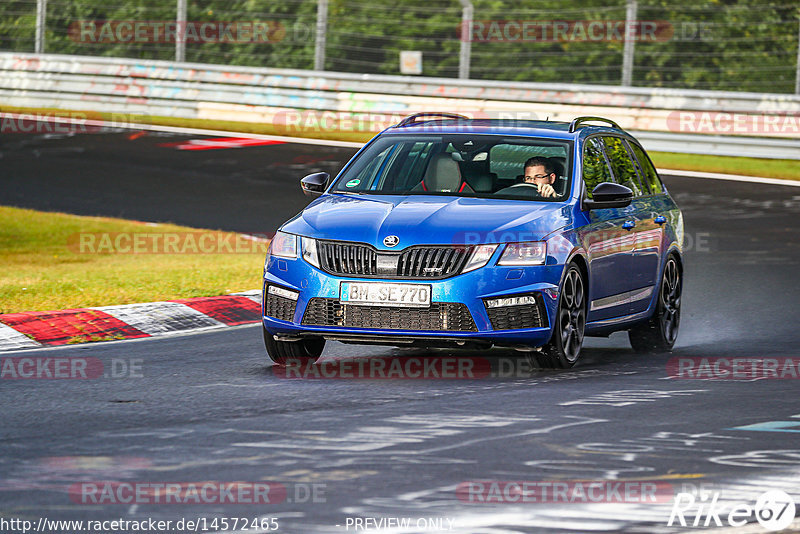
(283, 245)
(310, 251)
(530, 253)
(480, 257)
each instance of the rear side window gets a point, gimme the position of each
(648, 171)
(595, 168)
(622, 164)
(507, 161)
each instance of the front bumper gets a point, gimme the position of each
(468, 289)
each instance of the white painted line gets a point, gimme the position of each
(731, 177)
(10, 339)
(159, 318)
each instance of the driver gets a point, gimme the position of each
(540, 172)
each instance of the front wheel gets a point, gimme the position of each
(661, 331)
(565, 346)
(282, 351)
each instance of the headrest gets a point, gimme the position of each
(558, 165)
(443, 174)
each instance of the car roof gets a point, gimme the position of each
(524, 128)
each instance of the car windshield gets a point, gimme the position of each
(461, 165)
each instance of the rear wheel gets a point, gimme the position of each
(282, 351)
(565, 346)
(661, 331)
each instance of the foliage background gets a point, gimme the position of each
(741, 45)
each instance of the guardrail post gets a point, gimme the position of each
(466, 39)
(630, 40)
(41, 21)
(322, 28)
(180, 32)
(797, 74)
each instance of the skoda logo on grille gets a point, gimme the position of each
(391, 240)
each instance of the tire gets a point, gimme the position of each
(564, 347)
(282, 351)
(660, 332)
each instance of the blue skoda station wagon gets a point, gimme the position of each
(445, 231)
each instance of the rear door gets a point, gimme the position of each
(609, 246)
(651, 213)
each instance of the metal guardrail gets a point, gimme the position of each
(261, 94)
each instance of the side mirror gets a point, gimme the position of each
(609, 195)
(314, 185)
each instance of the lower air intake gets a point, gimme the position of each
(440, 316)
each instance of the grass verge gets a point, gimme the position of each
(786, 169)
(53, 261)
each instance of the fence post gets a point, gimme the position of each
(466, 39)
(797, 73)
(630, 40)
(180, 32)
(41, 21)
(322, 28)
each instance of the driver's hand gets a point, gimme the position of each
(546, 190)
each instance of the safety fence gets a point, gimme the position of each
(688, 121)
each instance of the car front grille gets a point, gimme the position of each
(440, 316)
(432, 262)
(359, 259)
(519, 316)
(347, 258)
(279, 307)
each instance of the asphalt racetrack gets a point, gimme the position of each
(208, 407)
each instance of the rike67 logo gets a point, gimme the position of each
(774, 510)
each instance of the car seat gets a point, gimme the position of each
(443, 175)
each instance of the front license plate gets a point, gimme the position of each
(386, 294)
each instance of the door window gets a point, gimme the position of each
(648, 171)
(595, 166)
(621, 163)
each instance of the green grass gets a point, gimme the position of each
(786, 169)
(43, 266)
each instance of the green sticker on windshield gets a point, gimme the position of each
(353, 183)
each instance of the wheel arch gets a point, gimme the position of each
(579, 259)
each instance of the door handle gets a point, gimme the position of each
(660, 219)
(628, 225)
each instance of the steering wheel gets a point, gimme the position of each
(526, 184)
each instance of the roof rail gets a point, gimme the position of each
(411, 119)
(578, 120)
